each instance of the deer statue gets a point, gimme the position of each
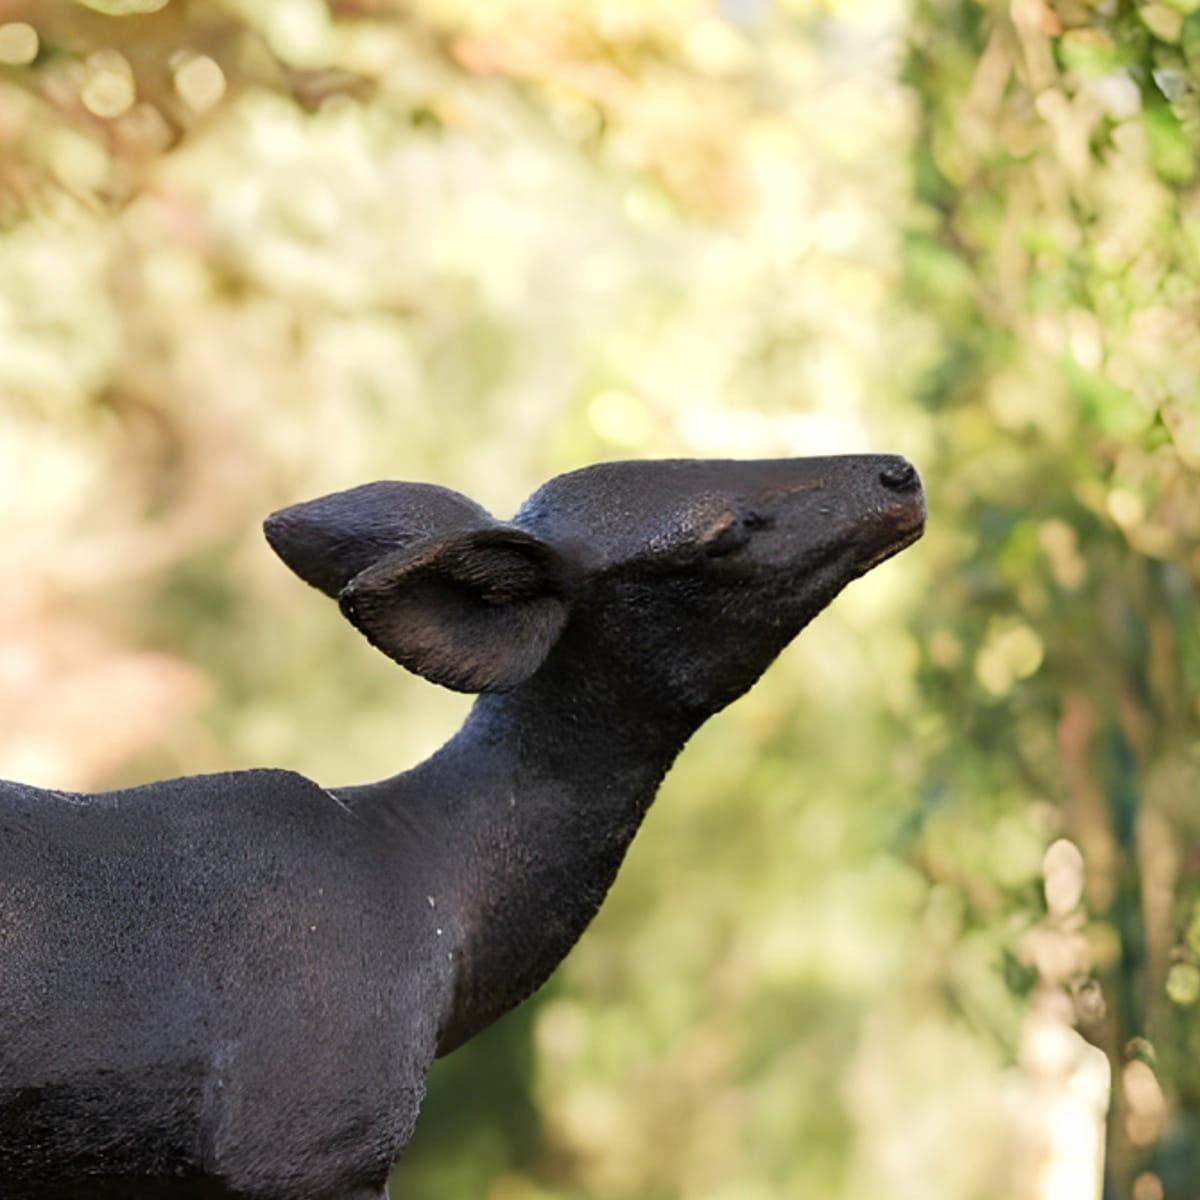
(233, 986)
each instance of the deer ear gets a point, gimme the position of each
(329, 541)
(475, 610)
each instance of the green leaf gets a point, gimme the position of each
(1105, 405)
(1183, 983)
(1169, 148)
(1089, 51)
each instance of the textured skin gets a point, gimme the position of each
(234, 985)
(187, 970)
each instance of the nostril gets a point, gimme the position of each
(901, 476)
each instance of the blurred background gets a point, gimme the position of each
(920, 916)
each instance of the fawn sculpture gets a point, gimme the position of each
(233, 986)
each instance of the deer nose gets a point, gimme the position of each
(900, 476)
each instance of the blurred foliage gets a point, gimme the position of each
(920, 916)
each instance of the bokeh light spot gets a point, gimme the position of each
(1009, 653)
(1063, 871)
(1183, 984)
(124, 8)
(200, 83)
(299, 33)
(1146, 1107)
(1126, 508)
(108, 88)
(1148, 1186)
(18, 43)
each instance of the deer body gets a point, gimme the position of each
(233, 986)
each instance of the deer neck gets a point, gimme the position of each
(523, 819)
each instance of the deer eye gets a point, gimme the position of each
(733, 533)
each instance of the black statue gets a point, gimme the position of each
(234, 985)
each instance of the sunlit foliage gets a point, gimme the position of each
(920, 916)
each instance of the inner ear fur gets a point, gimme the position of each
(475, 610)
